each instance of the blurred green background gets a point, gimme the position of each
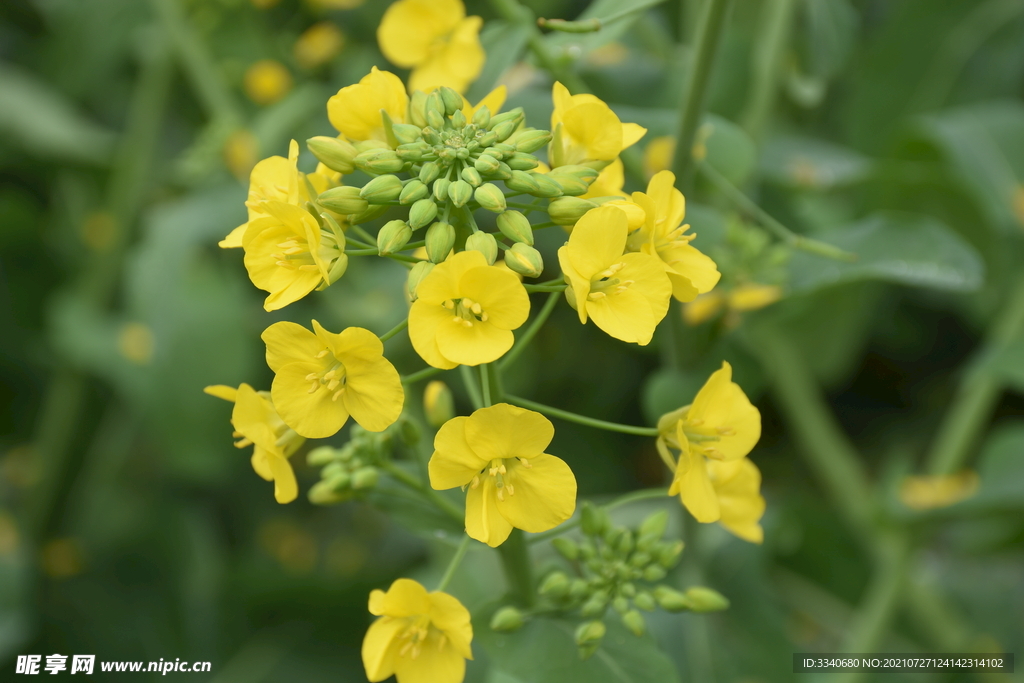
(131, 529)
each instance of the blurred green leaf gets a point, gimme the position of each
(576, 44)
(901, 248)
(830, 27)
(1001, 470)
(505, 43)
(45, 123)
(795, 160)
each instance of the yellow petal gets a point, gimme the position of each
(285, 487)
(737, 484)
(670, 205)
(436, 663)
(378, 654)
(260, 462)
(454, 462)
(493, 100)
(373, 390)
(626, 316)
(751, 297)
(562, 100)
(289, 343)
(406, 598)
(483, 521)
(631, 134)
(409, 27)
(597, 241)
(443, 281)
(544, 494)
(691, 271)
(286, 285)
(595, 126)
(694, 487)
(456, 63)
(480, 343)
(425, 319)
(221, 391)
(376, 602)
(507, 431)
(355, 110)
(315, 415)
(234, 238)
(252, 416)
(449, 615)
(722, 405)
(609, 181)
(500, 293)
(579, 287)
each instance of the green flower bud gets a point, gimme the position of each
(371, 212)
(594, 520)
(431, 137)
(417, 109)
(441, 190)
(653, 527)
(621, 604)
(337, 155)
(516, 227)
(584, 174)
(458, 120)
(587, 550)
(382, 189)
(322, 493)
(421, 213)
(530, 141)
(670, 599)
(485, 243)
(472, 176)
(640, 559)
(485, 163)
(503, 172)
(413, 191)
(344, 200)
(452, 100)
(627, 589)
(654, 572)
(429, 172)
(460, 192)
(378, 161)
(504, 129)
(624, 544)
(525, 260)
(412, 151)
(438, 404)
(434, 103)
(507, 619)
(703, 599)
(522, 162)
(487, 139)
(571, 186)
(668, 554)
(392, 237)
(365, 478)
(321, 456)
(568, 210)
(369, 145)
(634, 621)
(439, 241)
(482, 116)
(546, 187)
(435, 120)
(489, 197)
(406, 133)
(590, 632)
(416, 275)
(515, 115)
(556, 585)
(578, 589)
(521, 181)
(644, 601)
(566, 548)
(595, 606)
(409, 432)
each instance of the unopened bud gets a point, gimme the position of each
(344, 200)
(654, 572)
(566, 547)
(595, 606)
(382, 189)
(521, 181)
(413, 191)
(621, 604)
(460, 192)
(578, 589)
(392, 237)
(624, 544)
(458, 120)
(668, 554)
(514, 115)
(472, 176)
(440, 190)
(451, 99)
(634, 621)
(530, 141)
(486, 164)
(482, 116)
(644, 601)
(370, 213)
(525, 260)
(365, 478)
(571, 186)
(337, 155)
(584, 174)
(434, 103)
(516, 227)
(323, 493)
(409, 433)
(487, 139)
(406, 133)
(507, 619)
(594, 520)
(503, 130)
(671, 600)
(590, 632)
(485, 243)
(416, 275)
(546, 187)
(421, 213)
(522, 162)
(412, 151)
(654, 525)
(435, 120)
(417, 109)
(703, 599)
(489, 197)
(318, 457)
(568, 210)
(555, 585)
(429, 172)
(438, 404)
(377, 161)
(440, 239)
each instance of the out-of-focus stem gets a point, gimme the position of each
(460, 552)
(766, 63)
(512, 12)
(583, 419)
(515, 559)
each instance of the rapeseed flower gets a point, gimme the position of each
(321, 378)
(750, 296)
(929, 492)
(498, 452)
(355, 111)
(737, 484)
(585, 129)
(419, 637)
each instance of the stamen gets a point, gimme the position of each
(311, 377)
(442, 641)
(323, 353)
(309, 267)
(493, 471)
(511, 489)
(477, 308)
(483, 317)
(333, 384)
(243, 443)
(466, 323)
(405, 649)
(525, 463)
(313, 388)
(456, 319)
(501, 495)
(725, 431)
(338, 393)
(501, 469)
(476, 482)
(449, 304)
(329, 375)
(594, 296)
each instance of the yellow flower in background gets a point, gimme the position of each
(279, 179)
(929, 492)
(493, 100)
(737, 485)
(750, 296)
(498, 452)
(334, 4)
(257, 424)
(586, 129)
(321, 378)
(288, 255)
(720, 424)
(267, 81)
(658, 155)
(318, 44)
(465, 312)
(436, 40)
(609, 182)
(626, 295)
(663, 235)
(240, 153)
(355, 111)
(420, 637)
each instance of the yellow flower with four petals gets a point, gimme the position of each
(355, 111)
(585, 129)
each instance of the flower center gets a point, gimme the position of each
(606, 283)
(295, 253)
(332, 376)
(501, 474)
(467, 312)
(415, 635)
(700, 437)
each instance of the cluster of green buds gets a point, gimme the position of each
(443, 165)
(749, 254)
(354, 469)
(615, 568)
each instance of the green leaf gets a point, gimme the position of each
(544, 651)
(830, 28)
(505, 43)
(1001, 470)
(800, 161)
(46, 124)
(901, 248)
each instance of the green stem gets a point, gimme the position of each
(525, 207)
(749, 206)
(515, 559)
(453, 564)
(358, 229)
(545, 288)
(767, 63)
(442, 503)
(485, 386)
(394, 330)
(514, 13)
(582, 419)
(709, 34)
(425, 373)
(631, 497)
(530, 332)
(471, 387)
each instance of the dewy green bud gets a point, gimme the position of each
(546, 187)
(670, 599)
(417, 109)
(590, 632)
(439, 241)
(441, 189)
(594, 520)
(472, 176)
(438, 404)
(452, 100)
(522, 162)
(429, 172)
(703, 599)
(365, 478)
(413, 191)
(485, 163)
(458, 120)
(485, 243)
(507, 619)
(416, 275)
(555, 585)
(392, 237)
(516, 227)
(344, 200)
(378, 161)
(460, 192)
(644, 601)
(566, 547)
(435, 120)
(634, 621)
(337, 155)
(318, 457)
(530, 141)
(482, 116)
(406, 133)
(489, 197)
(421, 213)
(568, 210)
(522, 182)
(382, 189)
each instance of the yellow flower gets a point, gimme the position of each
(288, 255)
(626, 295)
(930, 492)
(499, 453)
(586, 129)
(737, 485)
(493, 100)
(720, 424)
(279, 179)
(752, 296)
(318, 44)
(658, 155)
(436, 40)
(746, 297)
(420, 637)
(609, 182)
(465, 312)
(320, 379)
(662, 235)
(267, 81)
(257, 424)
(355, 111)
